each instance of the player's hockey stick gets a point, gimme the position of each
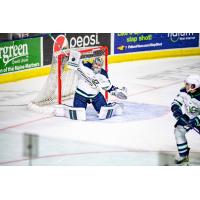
(195, 129)
(91, 82)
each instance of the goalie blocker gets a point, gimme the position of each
(74, 59)
(73, 113)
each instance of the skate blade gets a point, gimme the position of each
(184, 164)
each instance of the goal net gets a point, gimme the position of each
(61, 83)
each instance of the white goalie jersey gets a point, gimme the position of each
(99, 81)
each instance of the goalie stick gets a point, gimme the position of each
(92, 82)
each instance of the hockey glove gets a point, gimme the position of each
(177, 112)
(120, 93)
(74, 59)
(194, 123)
(183, 121)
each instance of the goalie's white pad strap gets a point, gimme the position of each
(74, 59)
(75, 113)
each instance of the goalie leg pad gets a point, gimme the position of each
(59, 110)
(118, 108)
(106, 112)
(112, 109)
(75, 113)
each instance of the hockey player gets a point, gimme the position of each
(186, 109)
(87, 93)
(92, 79)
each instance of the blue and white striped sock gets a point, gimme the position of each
(183, 149)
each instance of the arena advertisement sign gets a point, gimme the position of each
(75, 40)
(19, 55)
(135, 42)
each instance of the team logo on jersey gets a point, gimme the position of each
(193, 109)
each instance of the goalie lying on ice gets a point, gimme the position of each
(92, 78)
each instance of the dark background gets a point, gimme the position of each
(18, 36)
(103, 38)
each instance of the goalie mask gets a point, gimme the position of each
(192, 83)
(97, 65)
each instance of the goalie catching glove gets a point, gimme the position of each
(120, 93)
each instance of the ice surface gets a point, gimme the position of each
(142, 136)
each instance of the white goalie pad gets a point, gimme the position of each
(75, 113)
(74, 59)
(106, 112)
(59, 110)
(118, 108)
(69, 112)
(112, 109)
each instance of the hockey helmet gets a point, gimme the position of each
(192, 82)
(98, 61)
(97, 64)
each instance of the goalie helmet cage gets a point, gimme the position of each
(61, 82)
